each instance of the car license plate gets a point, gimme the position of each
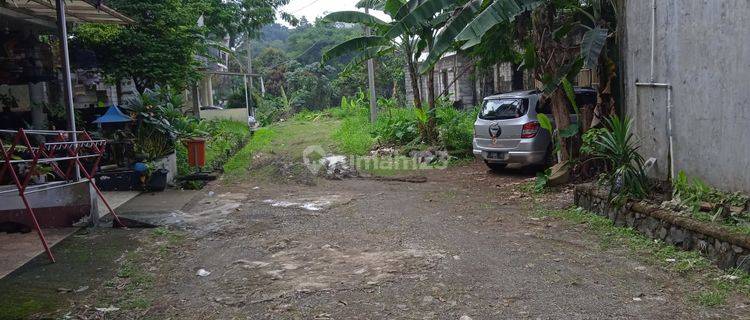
(496, 155)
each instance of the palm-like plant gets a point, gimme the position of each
(618, 148)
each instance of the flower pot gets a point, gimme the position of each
(158, 180)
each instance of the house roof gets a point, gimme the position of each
(43, 12)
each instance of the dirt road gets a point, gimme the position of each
(463, 245)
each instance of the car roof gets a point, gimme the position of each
(514, 94)
(528, 93)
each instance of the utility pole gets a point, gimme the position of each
(67, 84)
(249, 79)
(371, 81)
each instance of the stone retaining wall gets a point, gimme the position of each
(723, 247)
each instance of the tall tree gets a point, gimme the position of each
(160, 48)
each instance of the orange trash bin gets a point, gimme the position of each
(196, 149)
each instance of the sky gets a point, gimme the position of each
(312, 9)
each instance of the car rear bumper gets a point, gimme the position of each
(520, 157)
(512, 155)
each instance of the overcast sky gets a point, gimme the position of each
(312, 9)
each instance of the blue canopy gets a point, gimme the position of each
(113, 115)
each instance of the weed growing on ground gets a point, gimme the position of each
(711, 298)
(353, 136)
(134, 278)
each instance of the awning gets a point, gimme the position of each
(77, 11)
(113, 115)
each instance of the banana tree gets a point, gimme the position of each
(407, 32)
(376, 45)
(561, 44)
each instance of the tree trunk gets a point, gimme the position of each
(413, 79)
(551, 56)
(118, 91)
(431, 123)
(562, 120)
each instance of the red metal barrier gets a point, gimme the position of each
(57, 146)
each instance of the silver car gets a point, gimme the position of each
(507, 129)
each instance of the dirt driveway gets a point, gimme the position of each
(463, 245)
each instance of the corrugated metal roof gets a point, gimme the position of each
(77, 11)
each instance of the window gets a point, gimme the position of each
(497, 109)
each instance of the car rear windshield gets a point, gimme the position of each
(497, 109)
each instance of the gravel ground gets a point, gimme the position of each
(463, 245)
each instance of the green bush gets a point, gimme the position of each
(456, 128)
(692, 192)
(351, 107)
(396, 126)
(270, 109)
(310, 115)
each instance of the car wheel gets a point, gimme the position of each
(496, 166)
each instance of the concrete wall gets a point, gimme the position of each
(58, 206)
(238, 114)
(460, 91)
(703, 50)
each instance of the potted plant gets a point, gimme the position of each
(41, 174)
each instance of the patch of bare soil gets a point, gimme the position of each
(281, 169)
(461, 245)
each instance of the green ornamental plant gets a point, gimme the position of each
(618, 148)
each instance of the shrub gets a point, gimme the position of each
(456, 128)
(270, 109)
(589, 146)
(310, 115)
(617, 147)
(396, 126)
(352, 107)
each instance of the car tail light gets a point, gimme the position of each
(529, 130)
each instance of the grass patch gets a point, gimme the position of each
(711, 298)
(238, 164)
(134, 277)
(353, 137)
(527, 187)
(287, 139)
(23, 309)
(686, 263)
